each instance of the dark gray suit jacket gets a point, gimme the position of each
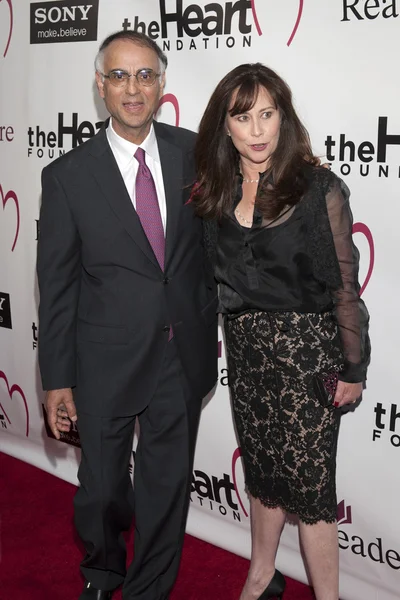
(105, 304)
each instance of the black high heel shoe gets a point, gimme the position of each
(275, 588)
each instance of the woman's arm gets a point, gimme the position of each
(351, 313)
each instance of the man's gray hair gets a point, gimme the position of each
(134, 36)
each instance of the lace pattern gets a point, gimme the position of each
(288, 439)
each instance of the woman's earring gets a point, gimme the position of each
(227, 133)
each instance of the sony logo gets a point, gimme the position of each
(55, 14)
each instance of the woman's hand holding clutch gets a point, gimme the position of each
(347, 393)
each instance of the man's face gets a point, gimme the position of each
(131, 106)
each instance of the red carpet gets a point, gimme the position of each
(40, 554)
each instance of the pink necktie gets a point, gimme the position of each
(148, 209)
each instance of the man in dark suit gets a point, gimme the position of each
(128, 325)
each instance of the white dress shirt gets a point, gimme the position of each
(128, 165)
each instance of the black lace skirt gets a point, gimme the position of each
(288, 439)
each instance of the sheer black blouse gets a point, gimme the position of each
(267, 267)
(272, 267)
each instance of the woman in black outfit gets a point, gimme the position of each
(278, 228)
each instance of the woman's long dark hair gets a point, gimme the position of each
(217, 159)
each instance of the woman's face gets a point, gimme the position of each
(255, 133)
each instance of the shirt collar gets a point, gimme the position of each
(125, 150)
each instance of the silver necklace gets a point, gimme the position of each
(250, 180)
(242, 217)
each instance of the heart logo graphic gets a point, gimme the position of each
(295, 28)
(235, 457)
(15, 389)
(5, 198)
(254, 11)
(9, 2)
(362, 228)
(170, 98)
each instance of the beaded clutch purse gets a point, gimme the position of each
(325, 387)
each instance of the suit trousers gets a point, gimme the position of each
(105, 503)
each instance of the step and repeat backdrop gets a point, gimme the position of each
(340, 59)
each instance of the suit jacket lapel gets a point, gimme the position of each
(105, 170)
(172, 169)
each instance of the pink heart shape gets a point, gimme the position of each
(13, 196)
(170, 98)
(362, 228)
(296, 26)
(11, 390)
(9, 2)
(253, 10)
(236, 455)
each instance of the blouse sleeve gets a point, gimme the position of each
(350, 311)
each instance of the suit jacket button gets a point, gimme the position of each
(165, 280)
(166, 328)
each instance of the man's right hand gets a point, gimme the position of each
(60, 408)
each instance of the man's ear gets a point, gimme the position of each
(100, 84)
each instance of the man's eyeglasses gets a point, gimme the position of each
(119, 78)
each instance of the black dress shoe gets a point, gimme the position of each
(91, 593)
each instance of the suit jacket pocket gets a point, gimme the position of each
(100, 334)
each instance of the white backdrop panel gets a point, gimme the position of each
(339, 57)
